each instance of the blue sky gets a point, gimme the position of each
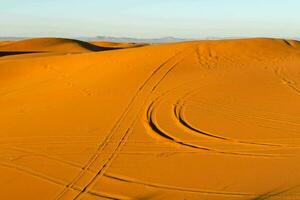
(150, 18)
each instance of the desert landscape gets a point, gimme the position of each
(209, 120)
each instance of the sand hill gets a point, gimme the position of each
(51, 45)
(209, 120)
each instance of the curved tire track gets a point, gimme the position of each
(177, 110)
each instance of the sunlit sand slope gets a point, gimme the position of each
(209, 120)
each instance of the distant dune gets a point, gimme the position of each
(50, 45)
(137, 40)
(117, 45)
(212, 120)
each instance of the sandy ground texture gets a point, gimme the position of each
(211, 120)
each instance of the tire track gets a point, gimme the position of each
(290, 83)
(237, 119)
(93, 158)
(175, 188)
(124, 115)
(33, 173)
(277, 193)
(49, 179)
(179, 114)
(34, 153)
(151, 113)
(227, 110)
(178, 108)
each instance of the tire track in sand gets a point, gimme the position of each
(132, 108)
(177, 110)
(52, 180)
(176, 188)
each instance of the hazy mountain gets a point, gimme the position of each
(115, 39)
(134, 40)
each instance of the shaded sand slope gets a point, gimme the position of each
(57, 46)
(196, 120)
(42, 45)
(117, 45)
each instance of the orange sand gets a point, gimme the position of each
(208, 120)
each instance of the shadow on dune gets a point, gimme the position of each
(55, 45)
(85, 45)
(13, 53)
(92, 47)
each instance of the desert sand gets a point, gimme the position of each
(211, 120)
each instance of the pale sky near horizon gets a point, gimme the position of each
(150, 18)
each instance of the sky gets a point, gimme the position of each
(150, 18)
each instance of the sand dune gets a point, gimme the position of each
(50, 45)
(206, 120)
